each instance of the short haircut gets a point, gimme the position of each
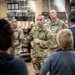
(6, 35)
(71, 16)
(65, 39)
(14, 19)
(41, 15)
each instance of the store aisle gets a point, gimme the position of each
(30, 68)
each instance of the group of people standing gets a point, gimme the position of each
(62, 61)
(53, 51)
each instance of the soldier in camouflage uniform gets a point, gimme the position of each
(55, 25)
(17, 32)
(42, 38)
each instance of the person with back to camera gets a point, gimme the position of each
(71, 24)
(61, 62)
(55, 25)
(9, 65)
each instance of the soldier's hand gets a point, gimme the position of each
(21, 35)
(36, 41)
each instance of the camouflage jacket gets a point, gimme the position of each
(55, 27)
(45, 36)
(17, 32)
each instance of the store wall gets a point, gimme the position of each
(67, 5)
(61, 6)
(3, 8)
(38, 6)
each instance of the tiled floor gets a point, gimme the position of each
(30, 68)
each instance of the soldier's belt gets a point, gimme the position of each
(53, 48)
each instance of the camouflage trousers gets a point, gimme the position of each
(37, 63)
(17, 52)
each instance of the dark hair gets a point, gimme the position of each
(71, 16)
(6, 35)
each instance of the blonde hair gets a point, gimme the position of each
(65, 39)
